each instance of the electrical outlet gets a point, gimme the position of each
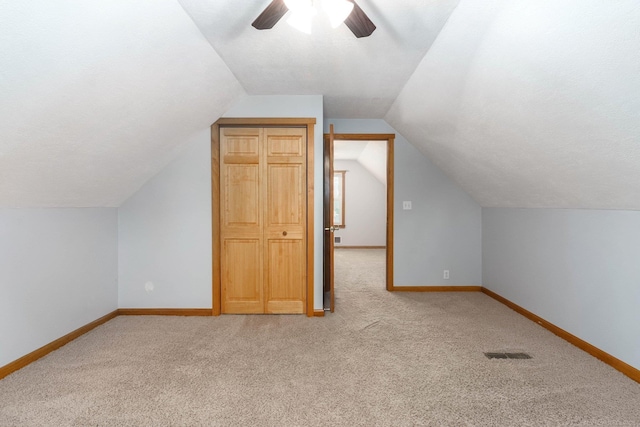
(445, 274)
(406, 205)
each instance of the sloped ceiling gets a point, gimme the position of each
(374, 159)
(532, 103)
(371, 155)
(525, 103)
(359, 78)
(97, 96)
(348, 150)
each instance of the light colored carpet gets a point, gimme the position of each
(392, 359)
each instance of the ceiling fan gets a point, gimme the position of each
(303, 10)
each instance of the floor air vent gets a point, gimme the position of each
(507, 356)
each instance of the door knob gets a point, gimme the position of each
(284, 233)
(332, 228)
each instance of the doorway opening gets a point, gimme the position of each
(358, 211)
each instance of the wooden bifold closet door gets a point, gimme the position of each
(263, 219)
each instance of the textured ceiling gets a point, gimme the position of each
(525, 103)
(532, 103)
(97, 96)
(359, 78)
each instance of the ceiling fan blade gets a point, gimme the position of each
(359, 23)
(270, 15)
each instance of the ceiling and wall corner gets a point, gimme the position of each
(374, 159)
(97, 97)
(532, 103)
(365, 207)
(371, 155)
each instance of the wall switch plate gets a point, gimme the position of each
(406, 205)
(445, 274)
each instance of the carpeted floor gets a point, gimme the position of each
(389, 359)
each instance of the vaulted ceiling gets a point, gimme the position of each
(532, 103)
(525, 103)
(97, 96)
(359, 78)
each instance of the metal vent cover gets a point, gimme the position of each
(500, 355)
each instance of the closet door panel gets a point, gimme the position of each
(241, 213)
(242, 196)
(285, 196)
(286, 273)
(242, 274)
(285, 220)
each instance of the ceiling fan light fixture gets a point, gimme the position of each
(301, 14)
(294, 5)
(301, 18)
(337, 10)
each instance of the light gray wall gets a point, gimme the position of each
(578, 269)
(165, 228)
(366, 207)
(58, 272)
(442, 231)
(164, 234)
